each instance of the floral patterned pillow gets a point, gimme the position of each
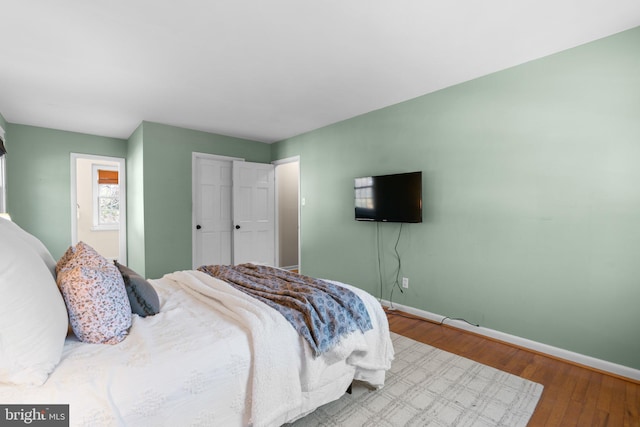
(95, 295)
(65, 259)
(80, 255)
(97, 303)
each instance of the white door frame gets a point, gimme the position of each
(276, 163)
(194, 157)
(3, 178)
(122, 182)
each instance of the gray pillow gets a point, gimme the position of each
(142, 297)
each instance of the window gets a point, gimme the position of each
(106, 198)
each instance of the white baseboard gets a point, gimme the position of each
(581, 359)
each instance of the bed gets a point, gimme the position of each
(212, 355)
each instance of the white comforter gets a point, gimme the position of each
(238, 364)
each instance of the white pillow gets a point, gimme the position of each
(7, 226)
(33, 317)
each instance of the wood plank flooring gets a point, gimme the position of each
(572, 396)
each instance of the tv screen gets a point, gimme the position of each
(389, 198)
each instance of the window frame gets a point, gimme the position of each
(96, 225)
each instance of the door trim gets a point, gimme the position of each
(194, 157)
(3, 177)
(122, 173)
(276, 163)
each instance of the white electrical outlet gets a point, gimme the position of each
(405, 282)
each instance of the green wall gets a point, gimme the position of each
(135, 202)
(167, 189)
(158, 161)
(39, 178)
(531, 200)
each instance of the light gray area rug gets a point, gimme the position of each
(427, 386)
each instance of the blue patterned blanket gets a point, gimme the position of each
(321, 312)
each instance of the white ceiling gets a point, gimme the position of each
(266, 70)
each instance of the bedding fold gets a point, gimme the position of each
(320, 311)
(275, 386)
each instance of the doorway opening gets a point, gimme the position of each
(98, 204)
(288, 213)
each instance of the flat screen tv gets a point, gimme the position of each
(389, 198)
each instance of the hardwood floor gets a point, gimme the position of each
(572, 396)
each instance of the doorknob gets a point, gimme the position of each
(198, 227)
(237, 227)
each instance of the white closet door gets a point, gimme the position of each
(212, 212)
(253, 213)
